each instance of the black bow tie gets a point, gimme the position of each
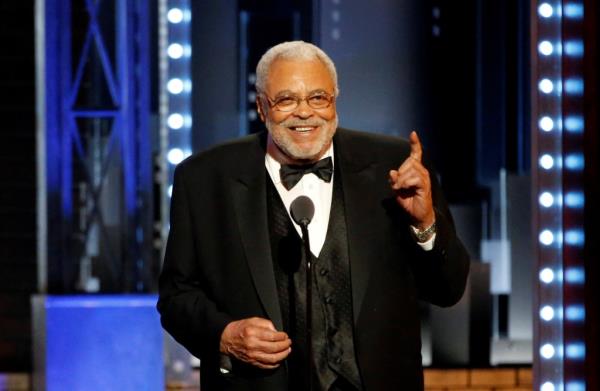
(291, 174)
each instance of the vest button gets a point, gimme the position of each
(328, 300)
(323, 271)
(338, 360)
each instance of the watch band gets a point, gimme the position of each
(425, 235)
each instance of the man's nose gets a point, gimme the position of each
(303, 110)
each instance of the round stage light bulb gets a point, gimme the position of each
(546, 275)
(546, 237)
(547, 386)
(547, 351)
(175, 86)
(546, 124)
(175, 121)
(175, 156)
(545, 10)
(175, 15)
(546, 161)
(175, 51)
(546, 86)
(546, 48)
(547, 313)
(546, 199)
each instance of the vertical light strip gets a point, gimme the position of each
(175, 92)
(547, 170)
(558, 177)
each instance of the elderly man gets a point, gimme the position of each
(233, 286)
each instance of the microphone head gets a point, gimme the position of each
(302, 210)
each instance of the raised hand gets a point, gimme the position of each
(412, 186)
(255, 341)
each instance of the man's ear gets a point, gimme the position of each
(259, 108)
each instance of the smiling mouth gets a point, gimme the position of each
(302, 129)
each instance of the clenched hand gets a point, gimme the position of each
(255, 341)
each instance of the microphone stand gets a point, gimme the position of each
(307, 254)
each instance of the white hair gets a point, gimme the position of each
(294, 50)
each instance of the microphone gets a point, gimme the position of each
(302, 210)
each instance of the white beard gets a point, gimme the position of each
(283, 140)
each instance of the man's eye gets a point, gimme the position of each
(318, 99)
(285, 101)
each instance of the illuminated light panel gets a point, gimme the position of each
(546, 199)
(574, 86)
(575, 199)
(575, 161)
(546, 86)
(574, 48)
(545, 10)
(170, 190)
(573, 11)
(574, 124)
(575, 351)
(175, 86)
(575, 386)
(175, 15)
(575, 313)
(546, 275)
(547, 351)
(546, 237)
(575, 237)
(175, 121)
(546, 48)
(546, 124)
(575, 275)
(546, 161)
(175, 51)
(547, 313)
(175, 156)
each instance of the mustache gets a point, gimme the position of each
(295, 123)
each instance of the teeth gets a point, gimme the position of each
(303, 129)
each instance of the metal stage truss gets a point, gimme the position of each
(95, 147)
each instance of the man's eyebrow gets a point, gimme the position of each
(291, 93)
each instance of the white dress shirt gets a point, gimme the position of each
(320, 193)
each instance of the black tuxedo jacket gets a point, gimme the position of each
(218, 265)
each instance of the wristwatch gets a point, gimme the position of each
(424, 235)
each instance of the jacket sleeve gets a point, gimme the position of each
(187, 312)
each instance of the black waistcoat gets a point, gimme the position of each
(333, 338)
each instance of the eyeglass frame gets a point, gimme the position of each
(273, 102)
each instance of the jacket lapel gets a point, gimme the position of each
(250, 198)
(358, 174)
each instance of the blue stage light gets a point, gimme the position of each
(175, 86)
(575, 237)
(575, 313)
(547, 313)
(574, 199)
(575, 351)
(574, 161)
(575, 275)
(175, 121)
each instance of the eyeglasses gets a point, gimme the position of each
(287, 103)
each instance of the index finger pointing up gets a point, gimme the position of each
(416, 151)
